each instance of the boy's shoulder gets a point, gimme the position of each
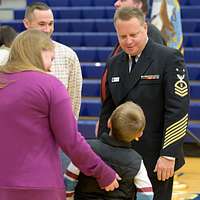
(98, 144)
(95, 141)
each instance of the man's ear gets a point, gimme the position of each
(109, 124)
(26, 23)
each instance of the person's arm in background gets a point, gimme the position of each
(71, 180)
(176, 114)
(155, 34)
(143, 185)
(64, 127)
(75, 83)
(117, 49)
(106, 110)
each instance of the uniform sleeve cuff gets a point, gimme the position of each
(169, 157)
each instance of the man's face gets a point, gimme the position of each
(132, 35)
(42, 20)
(47, 59)
(127, 3)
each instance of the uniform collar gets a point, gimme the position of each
(138, 56)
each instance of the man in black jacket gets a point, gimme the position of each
(155, 77)
(152, 32)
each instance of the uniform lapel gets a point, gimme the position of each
(140, 68)
(125, 75)
(127, 81)
(119, 77)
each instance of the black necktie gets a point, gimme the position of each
(133, 63)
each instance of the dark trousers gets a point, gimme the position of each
(162, 189)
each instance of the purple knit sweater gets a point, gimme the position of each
(35, 120)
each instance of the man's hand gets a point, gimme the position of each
(113, 185)
(164, 168)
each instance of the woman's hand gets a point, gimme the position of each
(113, 185)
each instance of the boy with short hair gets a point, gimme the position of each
(126, 124)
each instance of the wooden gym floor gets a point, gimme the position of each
(187, 180)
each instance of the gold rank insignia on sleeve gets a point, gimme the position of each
(175, 131)
(181, 87)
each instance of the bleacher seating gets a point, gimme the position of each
(87, 26)
(99, 25)
(53, 3)
(101, 12)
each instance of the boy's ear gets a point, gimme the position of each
(138, 135)
(109, 124)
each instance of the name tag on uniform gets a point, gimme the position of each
(115, 79)
(150, 77)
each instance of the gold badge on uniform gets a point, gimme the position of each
(181, 87)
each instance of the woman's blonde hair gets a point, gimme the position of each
(25, 53)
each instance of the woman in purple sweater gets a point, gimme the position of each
(35, 120)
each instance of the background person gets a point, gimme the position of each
(153, 76)
(66, 66)
(126, 124)
(7, 35)
(36, 119)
